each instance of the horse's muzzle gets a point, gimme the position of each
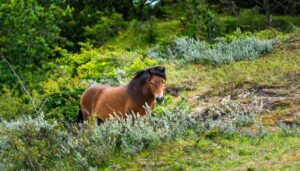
(159, 99)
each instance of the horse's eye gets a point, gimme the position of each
(151, 83)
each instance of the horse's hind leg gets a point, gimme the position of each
(80, 117)
(99, 121)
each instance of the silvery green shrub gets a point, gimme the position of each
(37, 144)
(30, 143)
(189, 50)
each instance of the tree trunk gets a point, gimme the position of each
(268, 18)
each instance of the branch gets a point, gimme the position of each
(21, 83)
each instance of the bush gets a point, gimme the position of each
(29, 31)
(13, 105)
(104, 29)
(189, 50)
(201, 23)
(33, 144)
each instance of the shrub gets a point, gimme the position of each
(13, 105)
(30, 143)
(190, 50)
(144, 33)
(33, 144)
(271, 34)
(29, 31)
(104, 29)
(198, 20)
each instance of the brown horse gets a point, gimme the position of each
(105, 101)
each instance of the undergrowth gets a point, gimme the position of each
(35, 143)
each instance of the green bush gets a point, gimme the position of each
(104, 29)
(28, 31)
(14, 105)
(7, 76)
(201, 23)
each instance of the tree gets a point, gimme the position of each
(28, 31)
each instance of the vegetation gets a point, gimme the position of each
(190, 50)
(232, 96)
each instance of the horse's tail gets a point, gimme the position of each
(80, 118)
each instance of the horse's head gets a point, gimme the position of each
(152, 79)
(157, 81)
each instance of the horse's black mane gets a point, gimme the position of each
(141, 76)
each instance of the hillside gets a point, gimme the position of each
(231, 97)
(273, 79)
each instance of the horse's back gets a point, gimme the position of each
(112, 100)
(103, 101)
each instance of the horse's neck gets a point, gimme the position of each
(148, 96)
(141, 95)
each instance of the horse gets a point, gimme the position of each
(105, 101)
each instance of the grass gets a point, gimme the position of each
(237, 152)
(269, 70)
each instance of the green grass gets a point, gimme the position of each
(271, 69)
(237, 152)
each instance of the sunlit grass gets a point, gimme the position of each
(271, 69)
(238, 152)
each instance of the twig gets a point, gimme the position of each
(21, 83)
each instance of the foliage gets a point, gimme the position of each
(236, 35)
(193, 51)
(35, 143)
(12, 105)
(104, 29)
(268, 34)
(29, 143)
(6, 76)
(29, 31)
(201, 23)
